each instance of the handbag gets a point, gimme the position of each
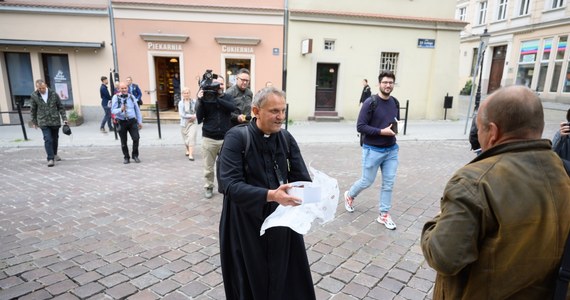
(66, 130)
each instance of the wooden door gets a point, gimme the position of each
(497, 66)
(326, 87)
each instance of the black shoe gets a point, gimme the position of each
(136, 159)
(126, 161)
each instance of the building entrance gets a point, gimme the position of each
(164, 70)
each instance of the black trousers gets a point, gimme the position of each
(131, 126)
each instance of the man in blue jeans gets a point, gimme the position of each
(47, 111)
(377, 122)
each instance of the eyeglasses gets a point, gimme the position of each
(387, 82)
(244, 80)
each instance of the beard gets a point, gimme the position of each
(384, 94)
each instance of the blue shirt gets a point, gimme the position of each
(132, 110)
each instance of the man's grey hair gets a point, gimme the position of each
(264, 94)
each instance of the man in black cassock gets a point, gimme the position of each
(272, 266)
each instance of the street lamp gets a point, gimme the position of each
(484, 41)
(478, 67)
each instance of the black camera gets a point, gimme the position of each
(209, 86)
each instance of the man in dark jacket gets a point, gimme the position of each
(106, 104)
(46, 111)
(242, 96)
(214, 112)
(366, 92)
(505, 216)
(273, 266)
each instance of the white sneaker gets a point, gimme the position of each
(384, 218)
(348, 202)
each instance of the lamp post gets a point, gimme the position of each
(484, 37)
(484, 41)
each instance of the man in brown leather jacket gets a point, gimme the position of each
(506, 215)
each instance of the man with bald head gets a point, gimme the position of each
(505, 216)
(129, 119)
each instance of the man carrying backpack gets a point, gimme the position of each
(129, 119)
(377, 121)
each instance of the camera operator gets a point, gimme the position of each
(213, 109)
(242, 96)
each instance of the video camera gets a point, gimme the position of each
(209, 86)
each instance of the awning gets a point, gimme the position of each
(29, 43)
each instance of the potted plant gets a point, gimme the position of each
(74, 118)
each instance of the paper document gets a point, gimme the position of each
(320, 200)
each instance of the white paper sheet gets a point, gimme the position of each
(299, 218)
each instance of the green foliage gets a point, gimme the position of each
(467, 88)
(73, 116)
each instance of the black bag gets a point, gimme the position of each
(66, 130)
(563, 147)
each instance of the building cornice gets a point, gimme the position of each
(230, 40)
(43, 8)
(164, 37)
(526, 29)
(375, 19)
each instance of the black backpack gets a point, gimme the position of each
(370, 112)
(244, 132)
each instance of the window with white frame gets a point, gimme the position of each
(329, 45)
(482, 13)
(557, 3)
(502, 10)
(527, 59)
(389, 61)
(524, 7)
(461, 13)
(558, 62)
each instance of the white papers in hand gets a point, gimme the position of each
(320, 199)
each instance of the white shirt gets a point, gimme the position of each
(45, 96)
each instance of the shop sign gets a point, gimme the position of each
(164, 46)
(236, 49)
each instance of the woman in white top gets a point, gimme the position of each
(187, 111)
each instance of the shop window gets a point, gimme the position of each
(559, 59)
(21, 82)
(566, 88)
(56, 70)
(389, 61)
(527, 59)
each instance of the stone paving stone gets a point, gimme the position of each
(113, 280)
(135, 271)
(366, 280)
(37, 295)
(10, 282)
(177, 266)
(88, 290)
(144, 281)
(194, 289)
(122, 290)
(155, 262)
(399, 275)
(131, 261)
(164, 287)
(19, 290)
(331, 285)
(356, 290)
(185, 276)
(144, 295)
(19, 269)
(161, 273)
(74, 271)
(109, 269)
(52, 278)
(66, 296)
(35, 274)
(212, 279)
(87, 277)
(61, 287)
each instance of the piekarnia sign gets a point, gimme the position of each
(164, 46)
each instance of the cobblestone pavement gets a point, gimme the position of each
(93, 228)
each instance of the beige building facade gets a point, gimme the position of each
(349, 43)
(527, 46)
(155, 41)
(65, 43)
